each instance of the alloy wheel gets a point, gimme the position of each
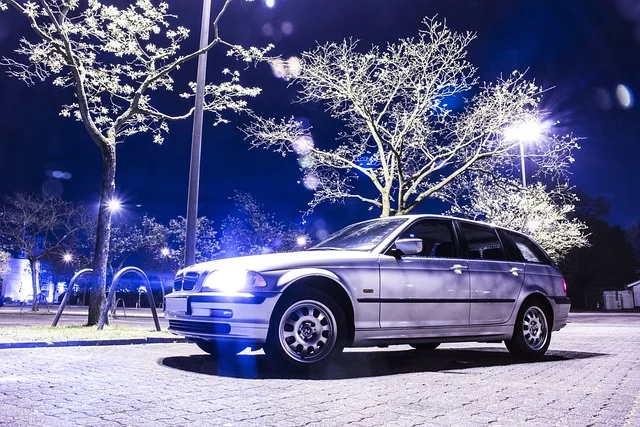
(307, 331)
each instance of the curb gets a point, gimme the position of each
(85, 343)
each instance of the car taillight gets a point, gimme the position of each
(564, 286)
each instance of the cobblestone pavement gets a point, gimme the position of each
(590, 376)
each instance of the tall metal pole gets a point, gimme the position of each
(524, 174)
(196, 140)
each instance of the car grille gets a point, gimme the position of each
(177, 283)
(189, 281)
(207, 328)
(186, 282)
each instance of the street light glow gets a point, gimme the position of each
(165, 251)
(301, 240)
(114, 205)
(67, 257)
(528, 131)
(270, 3)
(531, 130)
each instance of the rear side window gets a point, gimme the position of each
(436, 236)
(482, 242)
(529, 250)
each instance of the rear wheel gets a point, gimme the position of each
(426, 346)
(532, 334)
(306, 330)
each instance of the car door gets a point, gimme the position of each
(427, 289)
(495, 280)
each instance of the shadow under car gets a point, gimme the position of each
(360, 363)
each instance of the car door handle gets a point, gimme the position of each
(457, 268)
(515, 271)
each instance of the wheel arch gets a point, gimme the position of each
(545, 304)
(326, 282)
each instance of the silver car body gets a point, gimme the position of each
(388, 299)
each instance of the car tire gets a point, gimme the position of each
(532, 332)
(306, 330)
(429, 346)
(218, 349)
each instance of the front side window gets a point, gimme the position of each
(436, 236)
(482, 242)
(363, 236)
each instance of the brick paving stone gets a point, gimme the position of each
(591, 376)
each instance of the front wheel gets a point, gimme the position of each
(306, 330)
(532, 335)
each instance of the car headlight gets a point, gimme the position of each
(233, 280)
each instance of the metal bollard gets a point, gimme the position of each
(66, 295)
(112, 291)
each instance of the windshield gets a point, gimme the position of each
(363, 236)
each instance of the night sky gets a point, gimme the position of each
(583, 48)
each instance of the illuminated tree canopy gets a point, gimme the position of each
(404, 142)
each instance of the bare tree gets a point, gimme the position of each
(544, 214)
(116, 61)
(128, 239)
(253, 231)
(207, 245)
(402, 137)
(38, 227)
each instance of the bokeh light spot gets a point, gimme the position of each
(286, 28)
(267, 30)
(278, 68)
(624, 96)
(303, 146)
(294, 66)
(306, 162)
(603, 99)
(311, 182)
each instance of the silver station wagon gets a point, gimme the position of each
(420, 280)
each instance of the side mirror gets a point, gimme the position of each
(407, 247)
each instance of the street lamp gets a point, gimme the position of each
(196, 140)
(301, 241)
(67, 258)
(165, 252)
(528, 131)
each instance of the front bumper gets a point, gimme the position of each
(214, 316)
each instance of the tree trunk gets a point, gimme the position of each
(34, 284)
(386, 206)
(97, 297)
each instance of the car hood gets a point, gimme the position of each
(282, 261)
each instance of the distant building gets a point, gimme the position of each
(635, 287)
(16, 284)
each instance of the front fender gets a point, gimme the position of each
(356, 282)
(294, 275)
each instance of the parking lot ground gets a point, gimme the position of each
(590, 376)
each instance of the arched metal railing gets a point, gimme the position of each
(112, 291)
(63, 304)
